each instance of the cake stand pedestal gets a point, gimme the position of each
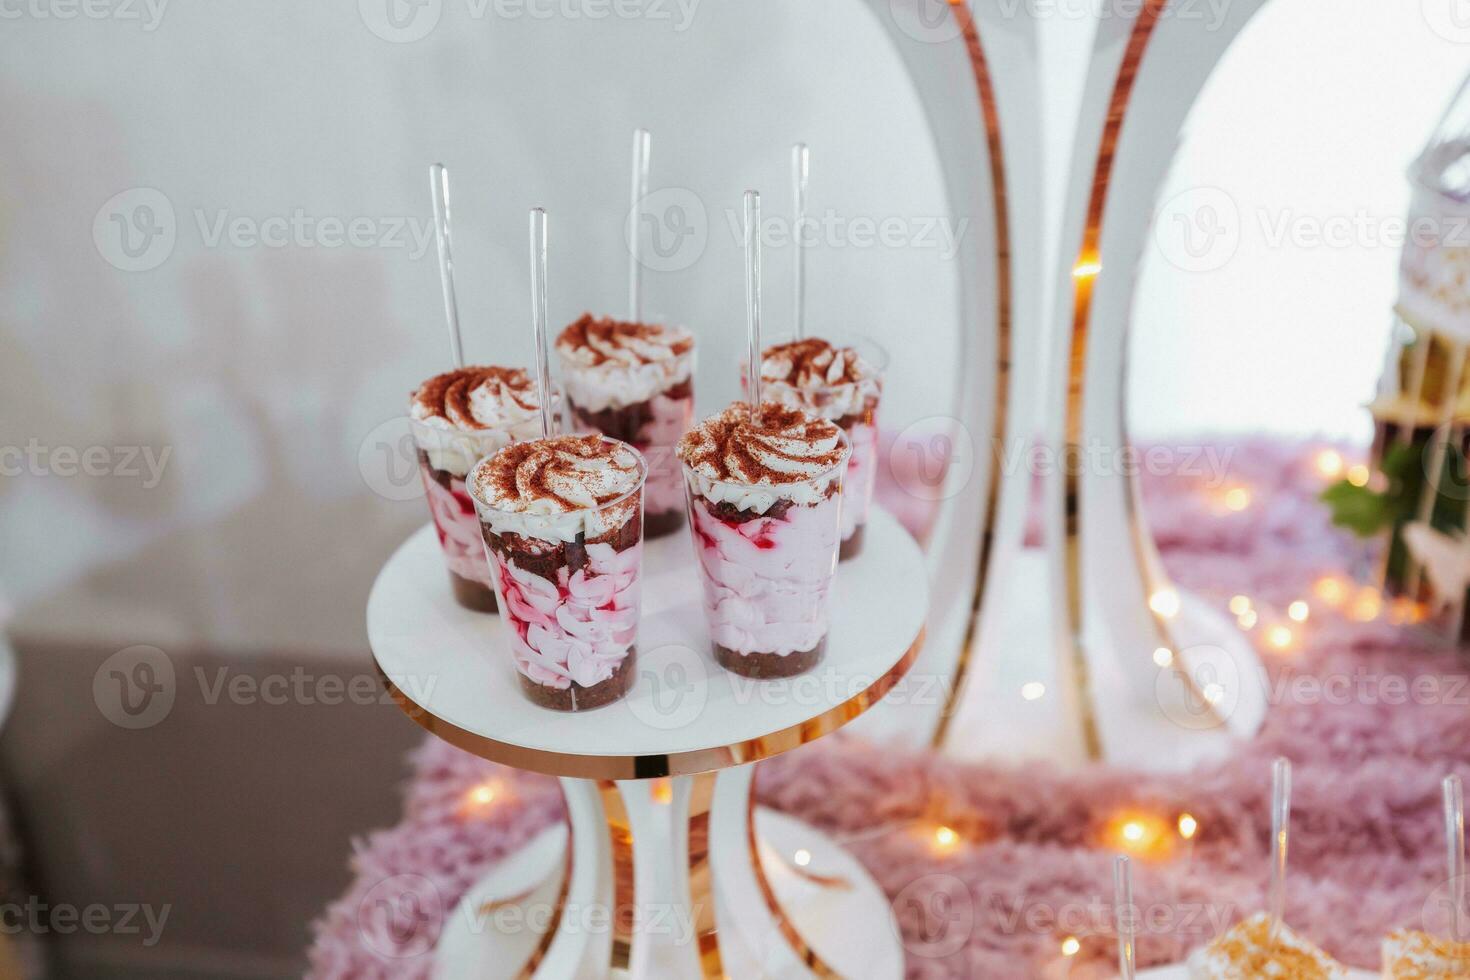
(665, 868)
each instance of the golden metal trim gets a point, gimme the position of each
(985, 90)
(783, 922)
(625, 897)
(1088, 259)
(701, 877)
(626, 767)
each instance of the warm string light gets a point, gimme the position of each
(1280, 638)
(802, 858)
(1165, 603)
(479, 799)
(1240, 605)
(1299, 611)
(1247, 619)
(1332, 590)
(1359, 475)
(1164, 657)
(1237, 499)
(1366, 605)
(945, 839)
(1071, 946)
(1329, 463)
(1033, 691)
(1188, 826)
(1138, 833)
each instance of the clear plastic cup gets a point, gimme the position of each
(767, 557)
(569, 587)
(856, 413)
(445, 456)
(652, 425)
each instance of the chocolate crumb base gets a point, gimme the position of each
(658, 525)
(853, 546)
(625, 423)
(578, 698)
(767, 665)
(731, 514)
(472, 594)
(544, 558)
(866, 416)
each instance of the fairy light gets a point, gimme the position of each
(1280, 638)
(945, 839)
(1366, 605)
(1188, 826)
(1164, 657)
(1299, 611)
(1247, 619)
(1165, 602)
(802, 858)
(479, 798)
(1237, 499)
(1033, 691)
(1138, 833)
(1331, 589)
(1240, 604)
(1359, 475)
(1329, 463)
(1071, 946)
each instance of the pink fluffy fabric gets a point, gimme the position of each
(1034, 866)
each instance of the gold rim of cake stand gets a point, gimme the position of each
(656, 765)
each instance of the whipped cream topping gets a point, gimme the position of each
(559, 488)
(474, 398)
(751, 461)
(819, 377)
(611, 363)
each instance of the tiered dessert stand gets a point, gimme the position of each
(670, 877)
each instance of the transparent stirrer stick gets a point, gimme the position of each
(1123, 913)
(753, 296)
(1454, 824)
(642, 153)
(439, 191)
(538, 316)
(800, 172)
(1280, 835)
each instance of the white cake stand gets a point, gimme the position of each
(678, 878)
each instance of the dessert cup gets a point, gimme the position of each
(767, 554)
(634, 382)
(1412, 955)
(1247, 951)
(568, 578)
(457, 419)
(848, 395)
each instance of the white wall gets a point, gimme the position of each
(263, 370)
